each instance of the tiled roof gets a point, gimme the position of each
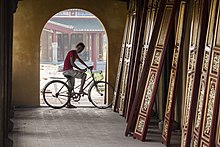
(81, 24)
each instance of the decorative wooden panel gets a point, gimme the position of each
(171, 97)
(127, 32)
(145, 33)
(138, 91)
(150, 16)
(152, 7)
(155, 69)
(147, 22)
(196, 51)
(134, 53)
(212, 94)
(127, 57)
(203, 79)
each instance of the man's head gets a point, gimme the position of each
(80, 47)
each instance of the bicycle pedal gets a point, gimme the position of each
(84, 93)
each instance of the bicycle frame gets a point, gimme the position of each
(86, 84)
(57, 93)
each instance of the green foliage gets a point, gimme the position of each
(99, 76)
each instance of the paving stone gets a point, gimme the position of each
(80, 127)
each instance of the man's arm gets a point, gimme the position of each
(73, 64)
(81, 61)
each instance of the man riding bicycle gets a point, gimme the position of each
(71, 70)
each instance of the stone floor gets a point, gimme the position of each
(79, 127)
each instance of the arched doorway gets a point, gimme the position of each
(63, 32)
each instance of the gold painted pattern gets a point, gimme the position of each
(130, 35)
(210, 108)
(153, 76)
(192, 60)
(195, 28)
(200, 103)
(206, 61)
(210, 102)
(124, 77)
(183, 139)
(157, 57)
(144, 48)
(171, 90)
(139, 72)
(189, 88)
(188, 98)
(140, 124)
(120, 62)
(165, 128)
(195, 143)
(175, 56)
(121, 105)
(123, 87)
(147, 35)
(215, 64)
(203, 80)
(175, 60)
(204, 145)
(149, 90)
(142, 56)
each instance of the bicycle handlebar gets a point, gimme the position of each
(90, 68)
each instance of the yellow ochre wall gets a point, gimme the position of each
(29, 20)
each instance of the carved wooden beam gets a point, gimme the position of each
(196, 50)
(175, 69)
(134, 50)
(139, 91)
(212, 95)
(149, 95)
(127, 57)
(212, 101)
(147, 23)
(204, 76)
(127, 33)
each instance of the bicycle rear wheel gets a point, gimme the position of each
(55, 94)
(99, 92)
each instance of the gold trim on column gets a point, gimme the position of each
(171, 97)
(155, 68)
(126, 38)
(204, 75)
(212, 95)
(127, 58)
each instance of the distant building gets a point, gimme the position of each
(64, 30)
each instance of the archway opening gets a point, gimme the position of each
(63, 32)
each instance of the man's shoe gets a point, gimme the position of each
(70, 106)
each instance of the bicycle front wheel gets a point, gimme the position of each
(100, 93)
(55, 94)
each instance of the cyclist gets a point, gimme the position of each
(73, 71)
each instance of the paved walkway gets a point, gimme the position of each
(80, 127)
